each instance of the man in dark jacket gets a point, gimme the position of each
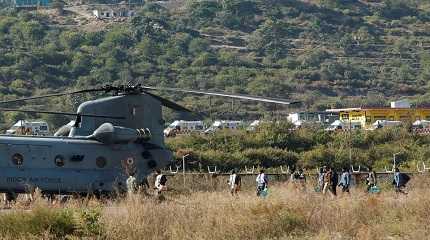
(334, 181)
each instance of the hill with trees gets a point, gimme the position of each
(326, 53)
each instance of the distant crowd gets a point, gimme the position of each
(328, 181)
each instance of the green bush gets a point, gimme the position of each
(43, 221)
(56, 222)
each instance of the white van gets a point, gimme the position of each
(343, 125)
(224, 124)
(181, 126)
(385, 123)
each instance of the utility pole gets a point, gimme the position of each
(394, 159)
(350, 143)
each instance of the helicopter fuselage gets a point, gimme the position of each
(72, 164)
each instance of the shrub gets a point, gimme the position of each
(56, 222)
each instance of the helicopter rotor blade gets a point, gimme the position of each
(238, 96)
(51, 95)
(169, 104)
(60, 113)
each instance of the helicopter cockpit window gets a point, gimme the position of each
(101, 162)
(17, 159)
(59, 160)
(78, 121)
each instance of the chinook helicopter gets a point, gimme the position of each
(110, 138)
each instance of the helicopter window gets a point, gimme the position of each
(59, 160)
(17, 159)
(101, 162)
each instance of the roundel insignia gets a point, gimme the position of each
(130, 161)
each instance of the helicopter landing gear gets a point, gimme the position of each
(8, 198)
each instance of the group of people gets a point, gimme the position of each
(235, 183)
(262, 181)
(328, 181)
(159, 185)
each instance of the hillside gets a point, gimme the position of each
(325, 53)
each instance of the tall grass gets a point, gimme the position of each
(287, 213)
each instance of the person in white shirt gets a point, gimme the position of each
(131, 184)
(160, 182)
(234, 182)
(262, 183)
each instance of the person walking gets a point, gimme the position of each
(262, 184)
(333, 181)
(327, 180)
(299, 180)
(320, 186)
(131, 184)
(371, 179)
(234, 182)
(144, 186)
(345, 180)
(400, 180)
(160, 182)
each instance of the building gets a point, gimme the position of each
(31, 3)
(111, 12)
(398, 111)
(313, 117)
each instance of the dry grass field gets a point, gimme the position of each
(287, 213)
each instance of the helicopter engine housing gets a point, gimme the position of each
(107, 133)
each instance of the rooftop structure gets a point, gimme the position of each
(298, 118)
(112, 13)
(31, 3)
(398, 111)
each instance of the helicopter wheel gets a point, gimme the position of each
(10, 196)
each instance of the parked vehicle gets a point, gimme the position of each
(343, 125)
(385, 123)
(420, 124)
(23, 127)
(224, 124)
(181, 126)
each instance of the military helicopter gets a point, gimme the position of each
(110, 138)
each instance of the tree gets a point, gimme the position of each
(269, 39)
(28, 33)
(239, 14)
(118, 37)
(203, 11)
(396, 9)
(205, 59)
(71, 39)
(197, 46)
